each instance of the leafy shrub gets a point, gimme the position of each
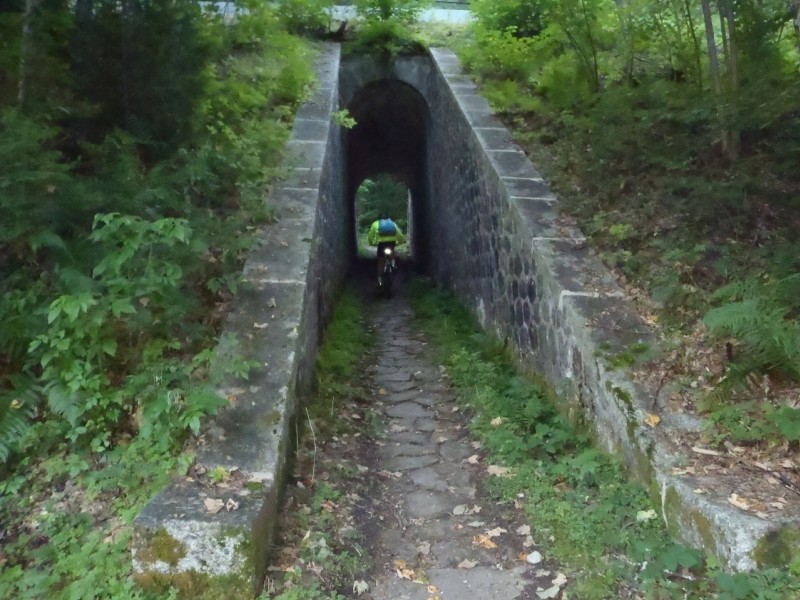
(390, 37)
(306, 16)
(403, 11)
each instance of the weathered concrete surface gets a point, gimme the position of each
(278, 317)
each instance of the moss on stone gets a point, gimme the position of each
(273, 418)
(678, 513)
(779, 548)
(162, 547)
(191, 585)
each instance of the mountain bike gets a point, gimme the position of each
(389, 267)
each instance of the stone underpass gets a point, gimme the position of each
(487, 227)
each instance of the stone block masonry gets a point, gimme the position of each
(528, 275)
(489, 228)
(290, 282)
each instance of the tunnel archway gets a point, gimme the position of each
(391, 137)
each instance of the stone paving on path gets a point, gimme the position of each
(432, 530)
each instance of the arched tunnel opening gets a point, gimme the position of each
(389, 143)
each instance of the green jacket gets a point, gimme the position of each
(374, 238)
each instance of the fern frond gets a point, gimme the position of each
(18, 404)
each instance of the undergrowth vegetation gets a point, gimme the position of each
(671, 132)
(579, 501)
(133, 165)
(323, 555)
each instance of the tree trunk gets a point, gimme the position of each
(695, 44)
(733, 71)
(711, 43)
(26, 47)
(713, 60)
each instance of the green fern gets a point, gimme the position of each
(761, 315)
(19, 399)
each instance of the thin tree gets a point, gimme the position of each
(26, 50)
(732, 69)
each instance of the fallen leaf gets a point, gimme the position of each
(498, 471)
(528, 542)
(645, 515)
(473, 460)
(231, 504)
(360, 587)
(706, 451)
(652, 419)
(549, 592)
(477, 524)
(683, 471)
(496, 532)
(497, 421)
(271, 303)
(461, 509)
(260, 325)
(523, 530)
(424, 548)
(560, 580)
(213, 505)
(432, 589)
(484, 541)
(738, 502)
(441, 439)
(467, 564)
(405, 574)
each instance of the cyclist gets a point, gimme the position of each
(384, 233)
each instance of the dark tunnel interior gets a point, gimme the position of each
(390, 136)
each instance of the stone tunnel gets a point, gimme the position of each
(487, 227)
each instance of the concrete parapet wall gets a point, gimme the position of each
(499, 241)
(290, 283)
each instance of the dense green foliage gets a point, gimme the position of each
(135, 151)
(677, 156)
(383, 195)
(597, 522)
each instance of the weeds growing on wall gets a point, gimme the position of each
(582, 509)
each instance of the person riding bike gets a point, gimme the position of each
(384, 233)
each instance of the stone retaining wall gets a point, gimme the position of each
(500, 243)
(291, 280)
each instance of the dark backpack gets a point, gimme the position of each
(386, 227)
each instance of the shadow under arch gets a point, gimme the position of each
(391, 136)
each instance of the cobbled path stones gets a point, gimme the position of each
(426, 507)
